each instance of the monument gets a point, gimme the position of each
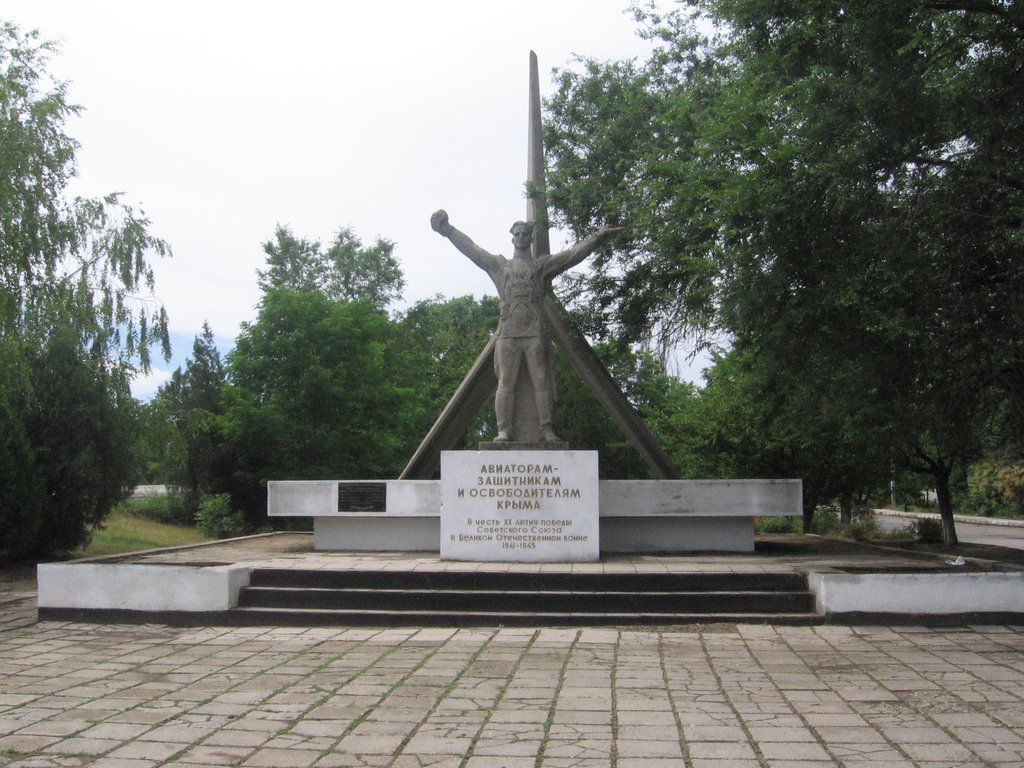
(525, 496)
(537, 501)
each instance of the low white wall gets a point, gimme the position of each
(677, 534)
(377, 533)
(617, 498)
(634, 515)
(924, 593)
(140, 587)
(701, 498)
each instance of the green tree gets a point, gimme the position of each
(75, 322)
(180, 444)
(293, 263)
(658, 398)
(22, 490)
(346, 271)
(836, 187)
(623, 142)
(358, 273)
(82, 424)
(755, 422)
(312, 393)
(440, 340)
(78, 264)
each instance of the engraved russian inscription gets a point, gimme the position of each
(520, 509)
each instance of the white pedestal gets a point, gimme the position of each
(519, 506)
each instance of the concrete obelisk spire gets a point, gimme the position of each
(536, 193)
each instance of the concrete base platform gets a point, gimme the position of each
(853, 583)
(650, 516)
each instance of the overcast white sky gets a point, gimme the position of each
(222, 119)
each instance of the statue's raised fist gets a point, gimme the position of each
(439, 221)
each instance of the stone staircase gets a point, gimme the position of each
(456, 598)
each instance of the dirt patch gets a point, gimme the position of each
(17, 573)
(799, 544)
(975, 551)
(17, 583)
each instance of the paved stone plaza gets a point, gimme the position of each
(720, 696)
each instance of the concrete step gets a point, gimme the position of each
(324, 617)
(479, 598)
(539, 602)
(513, 580)
(547, 601)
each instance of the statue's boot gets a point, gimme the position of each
(548, 434)
(504, 403)
(545, 409)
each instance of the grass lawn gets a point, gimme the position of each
(124, 531)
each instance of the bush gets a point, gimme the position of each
(1003, 482)
(928, 530)
(216, 518)
(862, 525)
(994, 489)
(175, 508)
(778, 525)
(977, 505)
(826, 521)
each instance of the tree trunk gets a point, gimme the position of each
(944, 497)
(808, 517)
(846, 508)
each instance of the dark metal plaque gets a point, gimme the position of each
(362, 497)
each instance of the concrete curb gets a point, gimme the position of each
(893, 594)
(958, 518)
(140, 587)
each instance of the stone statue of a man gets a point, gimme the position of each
(522, 338)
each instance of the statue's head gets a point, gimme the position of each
(522, 234)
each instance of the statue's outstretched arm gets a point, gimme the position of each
(569, 258)
(440, 224)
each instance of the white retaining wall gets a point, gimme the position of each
(924, 593)
(140, 587)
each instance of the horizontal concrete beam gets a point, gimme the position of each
(617, 498)
(700, 498)
(319, 498)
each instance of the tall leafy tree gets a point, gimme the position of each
(440, 340)
(346, 271)
(78, 264)
(82, 425)
(292, 262)
(845, 183)
(315, 386)
(22, 486)
(660, 399)
(181, 442)
(363, 273)
(75, 320)
(313, 393)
